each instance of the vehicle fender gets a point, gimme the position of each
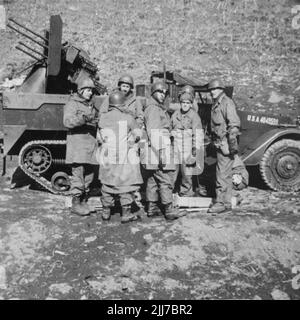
(254, 152)
(12, 133)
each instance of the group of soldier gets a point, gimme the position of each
(112, 138)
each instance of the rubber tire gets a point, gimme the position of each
(270, 174)
(63, 175)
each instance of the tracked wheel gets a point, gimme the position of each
(280, 165)
(37, 159)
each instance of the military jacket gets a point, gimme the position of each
(118, 154)
(158, 136)
(188, 134)
(81, 137)
(223, 117)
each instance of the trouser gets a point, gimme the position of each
(224, 178)
(186, 183)
(82, 177)
(108, 199)
(160, 185)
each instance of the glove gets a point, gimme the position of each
(233, 146)
(237, 179)
(90, 118)
(191, 160)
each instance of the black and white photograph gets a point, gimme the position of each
(149, 151)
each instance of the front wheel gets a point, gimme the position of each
(280, 165)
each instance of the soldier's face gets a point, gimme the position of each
(215, 93)
(87, 93)
(185, 105)
(125, 88)
(160, 96)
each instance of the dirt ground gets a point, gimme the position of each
(48, 253)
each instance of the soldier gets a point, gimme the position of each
(186, 89)
(119, 170)
(225, 124)
(188, 137)
(133, 104)
(80, 117)
(161, 171)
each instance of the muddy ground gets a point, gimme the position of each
(48, 253)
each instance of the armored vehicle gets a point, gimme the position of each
(268, 141)
(32, 115)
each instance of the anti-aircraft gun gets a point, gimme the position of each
(32, 115)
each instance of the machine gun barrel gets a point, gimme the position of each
(27, 36)
(29, 30)
(28, 53)
(35, 51)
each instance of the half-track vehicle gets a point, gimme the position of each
(31, 116)
(267, 141)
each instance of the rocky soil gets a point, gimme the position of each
(48, 253)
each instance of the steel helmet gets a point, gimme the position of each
(215, 84)
(159, 86)
(85, 83)
(126, 79)
(186, 96)
(116, 99)
(187, 89)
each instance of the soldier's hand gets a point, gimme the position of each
(194, 152)
(233, 146)
(89, 118)
(191, 160)
(237, 179)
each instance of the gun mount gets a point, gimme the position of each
(60, 64)
(32, 115)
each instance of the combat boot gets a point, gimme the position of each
(78, 208)
(153, 209)
(127, 215)
(218, 207)
(105, 214)
(172, 213)
(201, 191)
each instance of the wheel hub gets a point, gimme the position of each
(60, 181)
(287, 165)
(37, 159)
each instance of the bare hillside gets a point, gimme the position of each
(249, 43)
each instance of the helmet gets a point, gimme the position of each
(215, 84)
(189, 89)
(186, 96)
(159, 85)
(85, 83)
(126, 79)
(116, 99)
